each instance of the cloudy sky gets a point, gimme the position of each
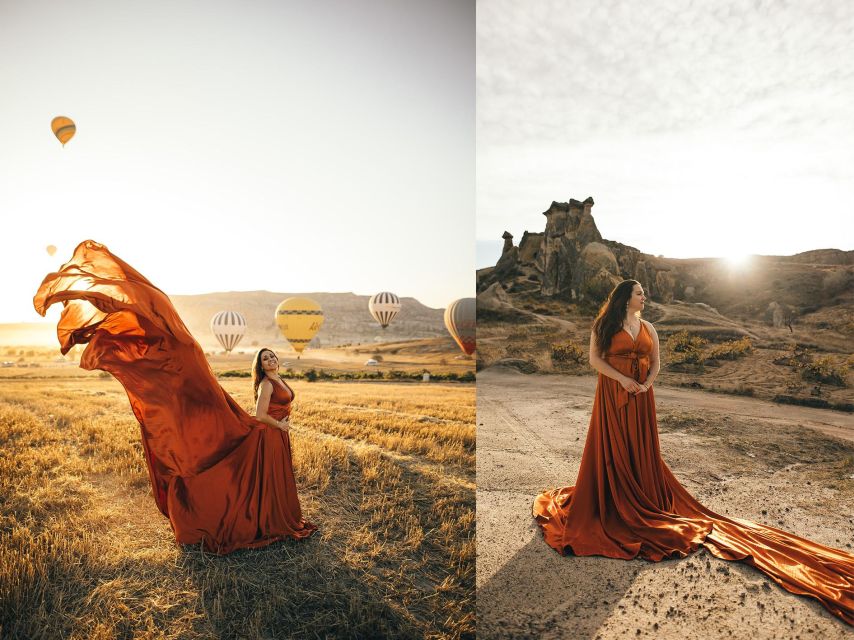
(227, 146)
(699, 128)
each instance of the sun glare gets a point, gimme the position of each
(737, 260)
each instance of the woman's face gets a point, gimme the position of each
(269, 361)
(637, 299)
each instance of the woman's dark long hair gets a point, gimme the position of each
(258, 370)
(610, 319)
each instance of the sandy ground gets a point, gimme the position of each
(739, 456)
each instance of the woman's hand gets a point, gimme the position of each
(284, 424)
(631, 385)
(644, 388)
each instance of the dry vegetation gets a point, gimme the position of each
(385, 470)
(700, 349)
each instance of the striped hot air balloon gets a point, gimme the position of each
(299, 320)
(63, 128)
(384, 306)
(460, 320)
(228, 327)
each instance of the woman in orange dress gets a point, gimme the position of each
(626, 502)
(221, 476)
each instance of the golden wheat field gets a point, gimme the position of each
(385, 469)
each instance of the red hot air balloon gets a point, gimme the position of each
(460, 320)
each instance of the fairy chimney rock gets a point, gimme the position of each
(508, 242)
(569, 228)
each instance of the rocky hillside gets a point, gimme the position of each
(570, 261)
(780, 327)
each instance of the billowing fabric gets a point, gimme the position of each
(222, 477)
(627, 503)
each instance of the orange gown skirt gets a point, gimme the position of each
(626, 502)
(223, 478)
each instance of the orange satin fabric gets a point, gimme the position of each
(626, 502)
(221, 477)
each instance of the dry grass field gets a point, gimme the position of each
(438, 356)
(386, 470)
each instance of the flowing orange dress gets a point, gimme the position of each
(626, 502)
(222, 477)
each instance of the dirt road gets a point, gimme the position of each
(790, 467)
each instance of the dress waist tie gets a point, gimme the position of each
(637, 359)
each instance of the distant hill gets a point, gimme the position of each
(346, 321)
(346, 318)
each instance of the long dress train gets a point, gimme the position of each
(222, 477)
(626, 502)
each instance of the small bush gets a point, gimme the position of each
(567, 352)
(233, 373)
(686, 348)
(742, 389)
(825, 370)
(730, 350)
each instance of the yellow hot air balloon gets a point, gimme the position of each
(50, 249)
(299, 320)
(63, 128)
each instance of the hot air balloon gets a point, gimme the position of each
(50, 249)
(63, 128)
(384, 307)
(228, 327)
(299, 320)
(461, 323)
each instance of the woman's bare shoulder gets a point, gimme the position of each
(648, 324)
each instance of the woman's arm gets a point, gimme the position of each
(598, 363)
(264, 394)
(654, 357)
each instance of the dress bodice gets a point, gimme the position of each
(280, 401)
(631, 357)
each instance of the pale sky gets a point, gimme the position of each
(700, 129)
(232, 146)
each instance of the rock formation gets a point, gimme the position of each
(571, 261)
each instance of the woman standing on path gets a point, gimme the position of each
(627, 503)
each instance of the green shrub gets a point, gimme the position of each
(235, 374)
